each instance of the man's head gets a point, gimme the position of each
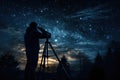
(33, 25)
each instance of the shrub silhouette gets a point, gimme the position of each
(97, 72)
(60, 72)
(8, 64)
(7, 60)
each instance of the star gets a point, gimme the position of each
(56, 40)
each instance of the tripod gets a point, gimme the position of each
(45, 58)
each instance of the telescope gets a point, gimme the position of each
(45, 56)
(46, 33)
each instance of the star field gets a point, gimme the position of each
(84, 28)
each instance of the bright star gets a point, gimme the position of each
(55, 40)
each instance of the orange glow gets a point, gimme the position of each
(70, 58)
(50, 61)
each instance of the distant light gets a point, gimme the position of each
(80, 18)
(41, 11)
(14, 15)
(108, 37)
(24, 14)
(57, 21)
(90, 25)
(90, 29)
(55, 40)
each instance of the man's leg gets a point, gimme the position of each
(32, 59)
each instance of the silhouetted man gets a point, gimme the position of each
(31, 39)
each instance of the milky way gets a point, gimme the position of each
(88, 29)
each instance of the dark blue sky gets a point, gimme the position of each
(76, 25)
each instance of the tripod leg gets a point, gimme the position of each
(60, 62)
(44, 59)
(41, 63)
(47, 52)
(54, 52)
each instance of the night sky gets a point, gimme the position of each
(84, 26)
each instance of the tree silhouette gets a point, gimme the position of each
(8, 66)
(97, 72)
(112, 58)
(85, 66)
(60, 71)
(108, 64)
(7, 61)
